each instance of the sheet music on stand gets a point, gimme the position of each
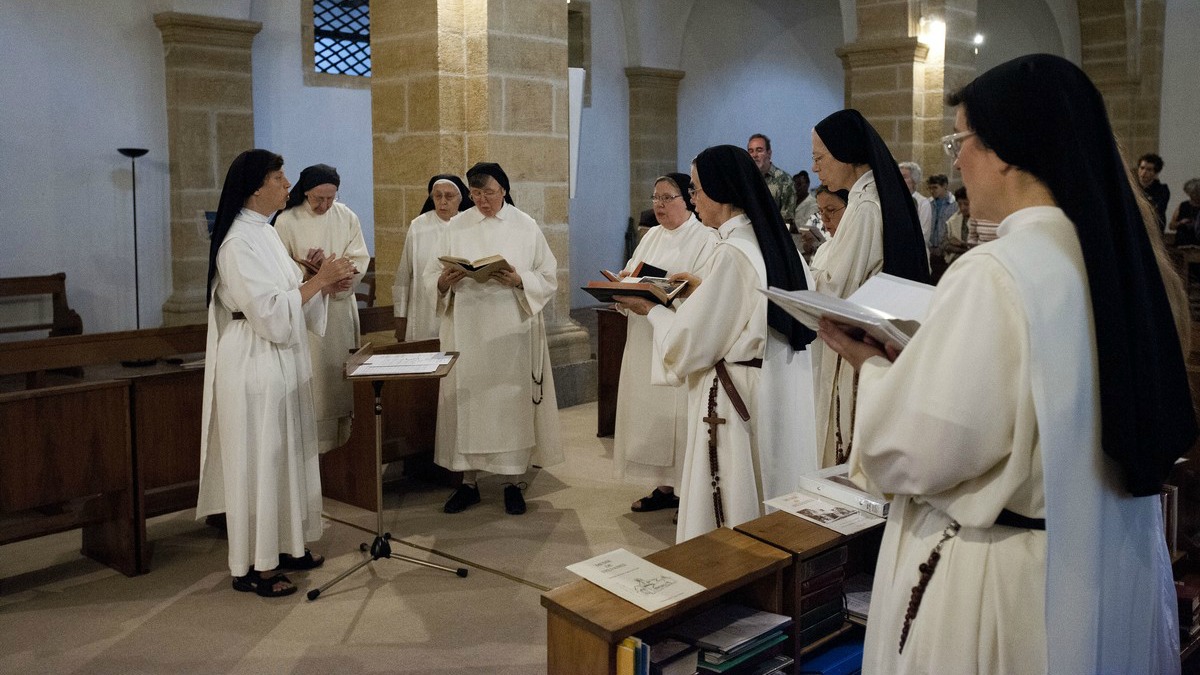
(402, 364)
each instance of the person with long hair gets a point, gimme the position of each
(313, 224)
(259, 460)
(735, 354)
(414, 297)
(650, 439)
(879, 232)
(1026, 533)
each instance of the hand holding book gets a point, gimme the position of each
(854, 345)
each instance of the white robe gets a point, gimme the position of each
(259, 461)
(487, 418)
(845, 262)
(651, 424)
(337, 232)
(725, 318)
(414, 295)
(1090, 594)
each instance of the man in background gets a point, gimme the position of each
(779, 182)
(1148, 167)
(911, 171)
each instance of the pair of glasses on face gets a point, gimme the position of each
(832, 210)
(953, 143)
(693, 191)
(318, 201)
(663, 199)
(476, 194)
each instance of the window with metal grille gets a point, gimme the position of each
(342, 37)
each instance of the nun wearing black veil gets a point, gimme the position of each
(259, 462)
(879, 232)
(1035, 477)
(716, 342)
(414, 297)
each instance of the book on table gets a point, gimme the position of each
(479, 270)
(727, 627)
(646, 281)
(828, 498)
(886, 307)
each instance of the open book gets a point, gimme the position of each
(875, 308)
(643, 269)
(828, 498)
(480, 269)
(656, 289)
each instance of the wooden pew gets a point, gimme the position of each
(66, 462)
(15, 291)
(160, 413)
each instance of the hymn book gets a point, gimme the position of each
(886, 307)
(479, 270)
(646, 281)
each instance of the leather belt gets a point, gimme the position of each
(1012, 519)
(238, 316)
(752, 363)
(738, 404)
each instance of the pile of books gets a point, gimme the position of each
(1188, 593)
(736, 640)
(821, 581)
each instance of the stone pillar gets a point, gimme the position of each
(653, 130)
(901, 67)
(1124, 58)
(210, 120)
(455, 82)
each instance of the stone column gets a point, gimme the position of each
(210, 120)
(653, 130)
(1124, 58)
(902, 65)
(455, 82)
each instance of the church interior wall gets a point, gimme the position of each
(759, 67)
(82, 79)
(600, 207)
(310, 125)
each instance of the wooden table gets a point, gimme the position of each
(584, 622)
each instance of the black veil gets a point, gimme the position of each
(463, 205)
(729, 176)
(1043, 115)
(246, 174)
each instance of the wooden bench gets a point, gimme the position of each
(24, 301)
(157, 420)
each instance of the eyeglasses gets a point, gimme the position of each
(952, 143)
(317, 201)
(476, 193)
(663, 199)
(693, 190)
(832, 210)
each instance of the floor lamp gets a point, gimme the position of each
(133, 154)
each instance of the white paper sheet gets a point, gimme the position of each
(634, 579)
(402, 364)
(837, 517)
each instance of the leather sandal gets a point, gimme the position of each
(656, 501)
(254, 582)
(308, 561)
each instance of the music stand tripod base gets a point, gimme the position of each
(381, 547)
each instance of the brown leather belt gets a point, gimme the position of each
(734, 397)
(238, 316)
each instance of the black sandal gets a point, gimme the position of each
(656, 501)
(254, 582)
(305, 562)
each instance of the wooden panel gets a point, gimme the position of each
(409, 423)
(167, 409)
(571, 651)
(67, 450)
(62, 443)
(98, 348)
(611, 326)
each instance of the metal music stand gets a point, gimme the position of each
(381, 547)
